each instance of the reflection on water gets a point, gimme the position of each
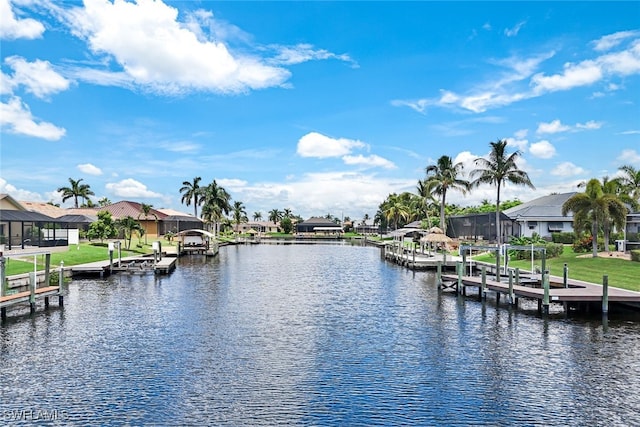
(309, 335)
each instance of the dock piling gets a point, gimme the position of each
(459, 285)
(32, 290)
(511, 286)
(545, 298)
(439, 274)
(482, 289)
(605, 294)
(565, 275)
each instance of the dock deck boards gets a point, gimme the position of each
(577, 290)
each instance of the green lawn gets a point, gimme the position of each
(84, 253)
(622, 273)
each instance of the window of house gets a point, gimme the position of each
(555, 225)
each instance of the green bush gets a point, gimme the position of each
(583, 245)
(635, 255)
(565, 238)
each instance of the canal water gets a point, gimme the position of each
(308, 335)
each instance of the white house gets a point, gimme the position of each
(542, 216)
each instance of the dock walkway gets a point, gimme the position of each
(135, 264)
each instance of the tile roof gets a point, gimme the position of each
(546, 207)
(44, 208)
(133, 209)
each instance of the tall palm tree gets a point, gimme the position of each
(128, 225)
(442, 177)
(76, 190)
(192, 193)
(216, 204)
(630, 182)
(395, 209)
(497, 170)
(146, 210)
(275, 215)
(426, 200)
(257, 216)
(287, 213)
(239, 214)
(597, 207)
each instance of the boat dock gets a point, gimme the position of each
(19, 295)
(136, 264)
(545, 289)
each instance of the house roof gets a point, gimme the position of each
(7, 198)
(319, 222)
(543, 208)
(133, 209)
(174, 215)
(78, 219)
(10, 215)
(44, 208)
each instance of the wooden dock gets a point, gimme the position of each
(546, 290)
(32, 292)
(161, 265)
(417, 260)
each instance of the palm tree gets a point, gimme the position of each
(275, 215)
(395, 209)
(630, 182)
(75, 190)
(286, 213)
(596, 206)
(442, 177)
(128, 225)
(216, 203)
(365, 218)
(257, 216)
(239, 214)
(192, 193)
(146, 210)
(497, 170)
(104, 202)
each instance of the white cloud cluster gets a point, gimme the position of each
(12, 27)
(629, 157)
(303, 52)
(314, 144)
(16, 117)
(519, 79)
(567, 169)
(90, 169)
(130, 188)
(542, 149)
(556, 126)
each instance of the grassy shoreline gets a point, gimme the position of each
(622, 273)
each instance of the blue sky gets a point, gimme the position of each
(319, 107)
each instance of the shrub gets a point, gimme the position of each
(635, 255)
(565, 238)
(583, 245)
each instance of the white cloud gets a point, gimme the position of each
(574, 75)
(12, 27)
(554, 126)
(130, 188)
(520, 144)
(16, 193)
(612, 40)
(16, 117)
(567, 169)
(89, 169)
(629, 156)
(317, 145)
(289, 55)
(542, 149)
(158, 53)
(313, 194)
(512, 32)
(38, 77)
(369, 161)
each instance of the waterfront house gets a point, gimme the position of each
(317, 226)
(542, 216)
(479, 226)
(176, 221)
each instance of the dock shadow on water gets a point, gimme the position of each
(309, 335)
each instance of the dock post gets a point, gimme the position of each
(565, 275)
(2, 275)
(459, 271)
(414, 256)
(111, 247)
(605, 294)
(47, 268)
(511, 286)
(32, 289)
(481, 290)
(518, 276)
(545, 298)
(439, 274)
(498, 264)
(464, 262)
